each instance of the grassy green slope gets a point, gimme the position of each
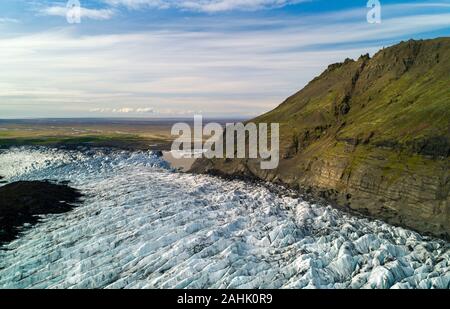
(371, 134)
(399, 98)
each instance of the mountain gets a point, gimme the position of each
(371, 135)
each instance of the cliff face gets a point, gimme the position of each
(371, 134)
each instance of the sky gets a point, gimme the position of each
(167, 58)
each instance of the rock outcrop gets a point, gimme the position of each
(372, 135)
(21, 203)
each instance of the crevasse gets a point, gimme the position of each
(141, 225)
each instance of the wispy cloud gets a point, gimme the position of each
(197, 66)
(144, 111)
(121, 110)
(210, 6)
(4, 20)
(96, 14)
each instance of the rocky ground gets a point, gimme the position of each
(22, 202)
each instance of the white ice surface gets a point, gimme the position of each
(144, 226)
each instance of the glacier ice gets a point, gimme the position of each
(142, 225)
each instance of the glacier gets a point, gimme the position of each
(143, 225)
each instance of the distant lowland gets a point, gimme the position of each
(371, 135)
(70, 133)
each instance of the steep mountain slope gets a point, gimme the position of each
(371, 134)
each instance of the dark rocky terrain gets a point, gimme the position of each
(21, 203)
(371, 134)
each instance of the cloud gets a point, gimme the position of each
(144, 110)
(99, 110)
(210, 6)
(4, 20)
(96, 14)
(184, 67)
(121, 110)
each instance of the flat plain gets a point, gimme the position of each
(136, 134)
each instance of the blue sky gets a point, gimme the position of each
(158, 58)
